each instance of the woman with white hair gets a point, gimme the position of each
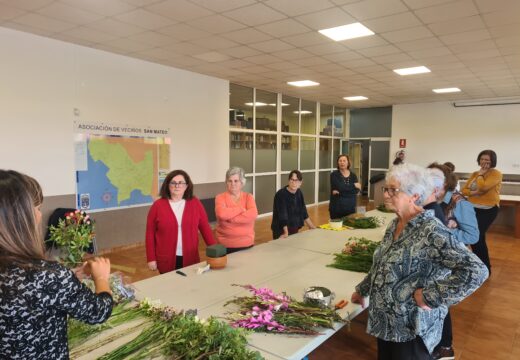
(419, 270)
(432, 202)
(236, 213)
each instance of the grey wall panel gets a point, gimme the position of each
(372, 122)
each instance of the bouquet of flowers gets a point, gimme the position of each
(356, 256)
(73, 236)
(168, 333)
(370, 222)
(266, 311)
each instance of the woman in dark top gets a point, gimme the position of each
(36, 295)
(289, 211)
(344, 187)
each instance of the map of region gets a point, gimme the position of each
(121, 171)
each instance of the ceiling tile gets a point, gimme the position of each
(91, 35)
(370, 9)
(284, 27)
(486, 6)
(103, 7)
(8, 12)
(70, 39)
(183, 32)
(505, 30)
(325, 49)
(315, 60)
(180, 10)
(344, 56)
(255, 15)
(292, 54)
(418, 32)
(271, 46)
(152, 38)
(466, 37)
(428, 53)
(326, 19)
(221, 6)
(27, 29)
(449, 11)
(262, 59)
(418, 4)
(393, 22)
(158, 53)
(419, 44)
(240, 51)
(473, 46)
(115, 27)
(128, 45)
(185, 48)
(65, 12)
(379, 50)
(247, 36)
(458, 25)
(216, 24)
(145, 19)
(212, 56)
(280, 65)
(307, 39)
(214, 43)
(365, 42)
(391, 58)
(43, 22)
(30, 5)
(295, 8)
(508, 41)
(357, 63)
(501, 18)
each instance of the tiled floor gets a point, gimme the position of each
(486, 325)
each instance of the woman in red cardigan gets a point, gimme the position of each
(172, 244)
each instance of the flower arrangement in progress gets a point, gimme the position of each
(73, 236)
(163, 332)
(266, 311)
(370, 222)
(357, 255)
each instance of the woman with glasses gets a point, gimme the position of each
(418, 271)
(483, 191)
(289, 210)
(173, 225)
(36, 294)
(236, 213)
(344, 186)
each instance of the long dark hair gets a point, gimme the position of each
(165, 188)
(21, 241)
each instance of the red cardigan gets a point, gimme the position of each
(161, 233)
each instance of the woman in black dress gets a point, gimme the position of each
(344, 187)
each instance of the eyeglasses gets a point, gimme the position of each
(391, 191)
(177, 184)
(294, 180)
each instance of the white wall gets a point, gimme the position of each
(441, 132)
(43, 80)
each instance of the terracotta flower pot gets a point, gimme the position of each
(217, 263)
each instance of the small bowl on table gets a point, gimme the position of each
(336, 224)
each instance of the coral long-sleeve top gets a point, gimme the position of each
(235, 220)
(162, 228)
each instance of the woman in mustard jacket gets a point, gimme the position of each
(483, 191)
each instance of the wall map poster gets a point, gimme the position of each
(119, 166)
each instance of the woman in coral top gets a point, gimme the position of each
(173, 224)
(236, 213)
(483, 191)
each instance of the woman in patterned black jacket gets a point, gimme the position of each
(36, 295)
(419, 270)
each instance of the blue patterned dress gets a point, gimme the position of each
(425, 255)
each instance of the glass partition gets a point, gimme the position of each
(265, 110)
(325, 153)
(324, 186)
(289, 152)
(248, 187)
(290, 108)
(265, 158)
(325, 120)
(308, 117)
(308, 187)
(307, 153)
(240, 114)
(265, 189)
(339, 121)
(336, 150)
(241, 150)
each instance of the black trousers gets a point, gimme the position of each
(447, 332)
(178, 262)
(410, 350)
(485, 218)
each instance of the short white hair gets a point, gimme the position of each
(235, 170)
(413, 180)
(437, 179)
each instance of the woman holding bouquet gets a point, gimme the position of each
(37, 295)
(173, 224)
